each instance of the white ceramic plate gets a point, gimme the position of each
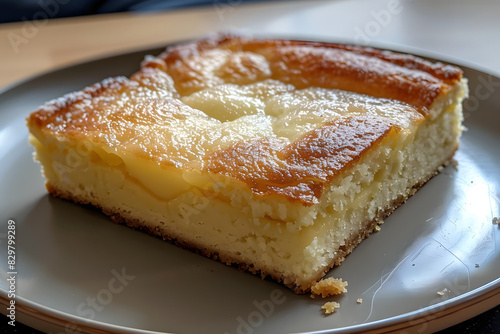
(77, 270)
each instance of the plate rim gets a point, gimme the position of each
(431, 313)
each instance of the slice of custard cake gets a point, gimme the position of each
(276, 156)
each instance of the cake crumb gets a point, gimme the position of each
(312, 296)
(476, 265)
(454, 163)
(442, 292)
(359, 300)
(329, 286)
(496, 220)
(330, 307)
(377, 228)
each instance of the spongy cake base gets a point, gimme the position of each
(218, 223)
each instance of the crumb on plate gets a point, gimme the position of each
(329, 286)
(442, 292)
(330, 307)
(359, 300)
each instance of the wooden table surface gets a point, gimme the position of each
(464, 31)
(456, 29)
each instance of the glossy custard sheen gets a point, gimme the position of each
(269, 154)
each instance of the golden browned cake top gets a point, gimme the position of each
(283, 117)
(310, 64)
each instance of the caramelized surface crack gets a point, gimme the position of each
(302, 169)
